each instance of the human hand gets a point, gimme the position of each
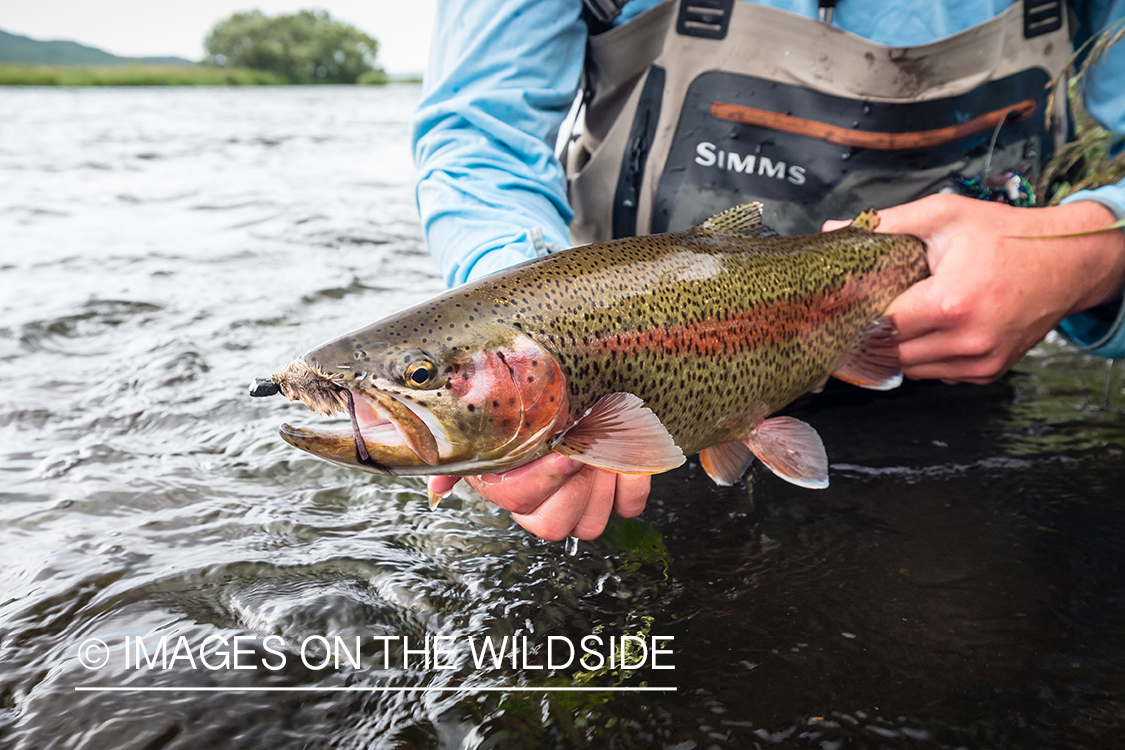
(991, 295)
(555, 497)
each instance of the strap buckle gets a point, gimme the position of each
(1041, 17)
(707, 19)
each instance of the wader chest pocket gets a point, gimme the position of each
(741, 138)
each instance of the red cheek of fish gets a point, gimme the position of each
(541, 386)
(485, 390)
(515, 392)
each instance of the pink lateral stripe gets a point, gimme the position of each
(755, 328)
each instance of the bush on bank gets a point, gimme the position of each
(306, 47)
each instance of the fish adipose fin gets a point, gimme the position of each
(621, 434)
(740, 221)
(868, 220)
(726, 463)
(792, 450)
(872, 362)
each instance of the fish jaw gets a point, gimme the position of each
(496, 409)
(385, 436)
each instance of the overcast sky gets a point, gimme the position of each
(135, 28)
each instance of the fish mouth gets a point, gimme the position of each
(386, 436)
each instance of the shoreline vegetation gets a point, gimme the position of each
(244, 49)
(13, 74)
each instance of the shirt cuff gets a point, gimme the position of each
(533, 245)
(1100, 330)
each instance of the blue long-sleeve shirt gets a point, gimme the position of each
(502, 76)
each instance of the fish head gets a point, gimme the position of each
(432, 390)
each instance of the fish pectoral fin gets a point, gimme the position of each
(872, 361)
(726, 463)
(621, 434)
(792, 450)
(740, 221)
(868, 220)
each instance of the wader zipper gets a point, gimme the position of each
(626, 199)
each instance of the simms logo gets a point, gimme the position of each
(709, 155)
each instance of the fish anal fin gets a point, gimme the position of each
(726, 463)
(792, 450)
(621, 434)
(872, 361)
(740, 221)
(868, 220)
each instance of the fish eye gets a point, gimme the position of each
(420, 373)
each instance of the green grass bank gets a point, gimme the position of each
(147, 75)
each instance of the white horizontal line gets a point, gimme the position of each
(361, 689)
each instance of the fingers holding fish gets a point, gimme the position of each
(993, 295)
(561, 513)
(631, 494)
(524, 489)
(555, 497)
(599, 504)
(581, 507)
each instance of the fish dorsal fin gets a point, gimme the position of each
(868, 221)
(621, 434)
(792, 450)
(740, 221)
(726, 463)
(872, 361)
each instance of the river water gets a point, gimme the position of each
(960, 584)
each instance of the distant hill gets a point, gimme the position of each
(21, 49)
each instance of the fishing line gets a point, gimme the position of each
(360, 446)
(992, 144)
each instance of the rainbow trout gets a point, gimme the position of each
(627, 355)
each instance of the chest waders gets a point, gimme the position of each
(696, 107)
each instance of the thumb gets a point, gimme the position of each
(923, 217)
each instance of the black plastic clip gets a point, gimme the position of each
(1041, 17)
(707, 19)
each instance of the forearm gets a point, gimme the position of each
(1097, 326)
(499, 84)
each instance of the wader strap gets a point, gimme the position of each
(825, 10)
(600, 14)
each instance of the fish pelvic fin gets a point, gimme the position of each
(868, 220)
(726, 463)
(740, 221)
(791, 449)
(621, 434)
(873, 361)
